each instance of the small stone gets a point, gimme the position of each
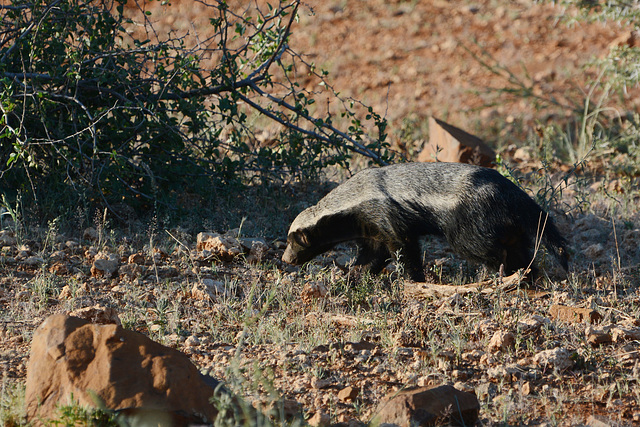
(57, 256)
(624, 333)
(463, 386)
(192, 341)
(439, 405)
(348, 394)
(523, 154)
(98, 314)
(532, 324)
(59, 268)
(224, 247)
(69, 292)
(165, 271)
(510, 372)
(208, 290)
(601, 421)
(486, 390)
(487, 359)
(313, 291)
(360, 346)
(248, 243)
(90, 234)
(90, 253)
(448, 143)
(597, 337)
(137, 258)
(574, 314)
(498, 374)
(319, 419)
(594, 251)
(131, 271)
(446, 355)
(502, 341)
(104, 265)
(472, 356)
(525, 389)
(557, 358)
(34, 261)
(319, 384)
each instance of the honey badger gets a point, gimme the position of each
(484, 217)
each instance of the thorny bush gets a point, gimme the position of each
(91, 114)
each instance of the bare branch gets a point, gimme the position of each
(355, 146)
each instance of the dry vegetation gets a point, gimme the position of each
(275, 332)
(272, 331)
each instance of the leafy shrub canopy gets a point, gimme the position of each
(91, 113)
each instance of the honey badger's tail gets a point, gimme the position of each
(554, 242)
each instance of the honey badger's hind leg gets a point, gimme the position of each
(517, 254)
(373, 254)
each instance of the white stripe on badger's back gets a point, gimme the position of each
(403, 182)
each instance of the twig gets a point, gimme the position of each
(28, 30)
(356, 147)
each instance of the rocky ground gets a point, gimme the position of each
(333, 344)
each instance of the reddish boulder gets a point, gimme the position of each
(123, 369)
(448, 143)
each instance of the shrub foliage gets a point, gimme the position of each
(92, 112)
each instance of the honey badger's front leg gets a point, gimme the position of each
(375, 255)
(372, 254)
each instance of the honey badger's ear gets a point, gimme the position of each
(301, 238)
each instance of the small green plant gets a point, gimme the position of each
(43, 286)
(73, 415)
(11, 403)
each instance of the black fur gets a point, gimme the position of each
(484, 217)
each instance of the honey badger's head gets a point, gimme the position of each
(310, 235)
(300, 243)
(298, 248)
(304, 245)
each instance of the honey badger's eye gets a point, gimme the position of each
(301, 238)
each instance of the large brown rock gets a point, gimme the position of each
(448, 143)
(428, 406)
(122, 368)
